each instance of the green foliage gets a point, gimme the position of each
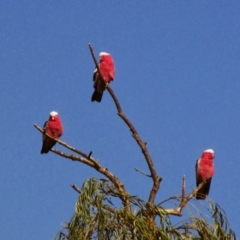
(96, 217)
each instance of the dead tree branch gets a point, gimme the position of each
(156, 179)
(143, 173)
(94, 164)
(75, 188)
(183, 186)
(170, 198)
(184, 201)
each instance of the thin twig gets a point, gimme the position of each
(137, 170)
(156, 179)
(170, 198)
(75, 188)
(89, 155)
(183, 186)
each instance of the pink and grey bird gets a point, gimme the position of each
(204, 172)
(107, 70)
(53, 127)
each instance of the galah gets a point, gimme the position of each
(107, 69)
(204, 172)
(53, 127)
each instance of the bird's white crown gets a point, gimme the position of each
(103, 54)
(53, 113)
(209, 151)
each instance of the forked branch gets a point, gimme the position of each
(156, 179)
(184, 201)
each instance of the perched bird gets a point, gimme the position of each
(204, 171)
(107, 69)
(52, 127)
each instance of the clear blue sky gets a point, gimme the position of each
(177, 78)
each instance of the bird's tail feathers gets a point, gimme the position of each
(96, 96)
(48, 143)
(204, 190)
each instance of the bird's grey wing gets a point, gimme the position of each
(47, 143)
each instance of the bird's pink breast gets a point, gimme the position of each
(107, 69)
(206, 168)
(55, 129)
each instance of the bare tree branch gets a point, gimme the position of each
(137, 170)
(75, 188)
(170, 198)
(94, 164)
(183, 186)
(156, 179)
(185, 200)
